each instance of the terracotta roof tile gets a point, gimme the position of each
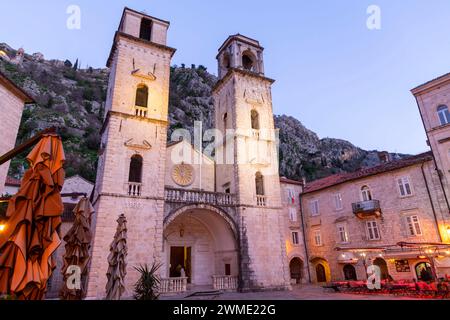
(290, 181)
(366, 172)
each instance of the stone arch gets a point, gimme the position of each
(321, 269)
(179, 211)
(249, 61)
(296, 266)
(203, 240)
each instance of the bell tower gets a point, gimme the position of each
(247, 161)
(131, 165)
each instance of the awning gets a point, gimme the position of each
(346, 257)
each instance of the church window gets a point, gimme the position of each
(259, 181)
(142, 96)
(146, 29)
(135, 174)
(255, 119)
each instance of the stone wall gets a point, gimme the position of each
(12, 108)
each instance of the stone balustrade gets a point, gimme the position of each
(140, 111)
(261, 201)
(225, 282)
(173, 285)
(196, 196)
(134, 189)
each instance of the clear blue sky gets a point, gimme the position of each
(339, 78)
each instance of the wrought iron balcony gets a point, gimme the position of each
(366, 209)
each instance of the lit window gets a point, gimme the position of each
(366, 194)
(338, 201)
(404, 186)
(314, 207)
(317, 238)
(414, 226)
(444, 115)
(343, 234)
(373, 232)
(293, 214)
(295, 238)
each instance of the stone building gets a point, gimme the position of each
(223, 218)
(356, 218)
(12, 102)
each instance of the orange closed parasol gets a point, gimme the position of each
(33, 217)
(78, 242)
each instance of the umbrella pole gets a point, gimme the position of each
(24, 146)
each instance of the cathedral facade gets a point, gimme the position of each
(221, 220)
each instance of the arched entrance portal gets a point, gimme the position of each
(321, 270)
(381, 263)
(296, 269)
(202, 242)
(350, 272)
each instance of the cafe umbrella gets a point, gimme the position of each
(33, 216)
(115, 286)
(76, 257)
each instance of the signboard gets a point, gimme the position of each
(402, 266)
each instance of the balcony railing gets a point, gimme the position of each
(134, 189)
(225, 282)
(196, 196)
(173, 285)
(141, 111)
(367, 208)
(255, 134)
(261, 201)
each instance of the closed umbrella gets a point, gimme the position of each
(33, 222)
(115, 286)
(78, 243)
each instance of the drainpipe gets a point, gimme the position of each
(304, 237)
(431, 201)
(434, 158)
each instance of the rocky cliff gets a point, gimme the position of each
(71, 99)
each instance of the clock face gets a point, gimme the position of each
(183, 174)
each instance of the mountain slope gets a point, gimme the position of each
(72, 100)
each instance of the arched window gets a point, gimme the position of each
(381, 263)
(259, 181)
(136, 169)
(366, 194)
(255, 120)
(248, 61)
(444, 114)
(146, 29)
(226, 61)
(142, 96)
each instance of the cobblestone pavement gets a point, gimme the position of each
(304, 292)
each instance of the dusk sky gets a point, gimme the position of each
(336, 76)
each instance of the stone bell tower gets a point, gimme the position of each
(247, 162)
(130, 177)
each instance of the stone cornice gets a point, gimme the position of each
(233, 71)
(121, 35)
(130, 116)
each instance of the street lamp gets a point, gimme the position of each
(2, 227)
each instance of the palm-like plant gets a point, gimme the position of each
(146, 288)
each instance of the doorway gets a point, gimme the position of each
(320, 273)
(296, 267)
(180, 258)
(350, 272)
(424, 272)
(381, 263)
